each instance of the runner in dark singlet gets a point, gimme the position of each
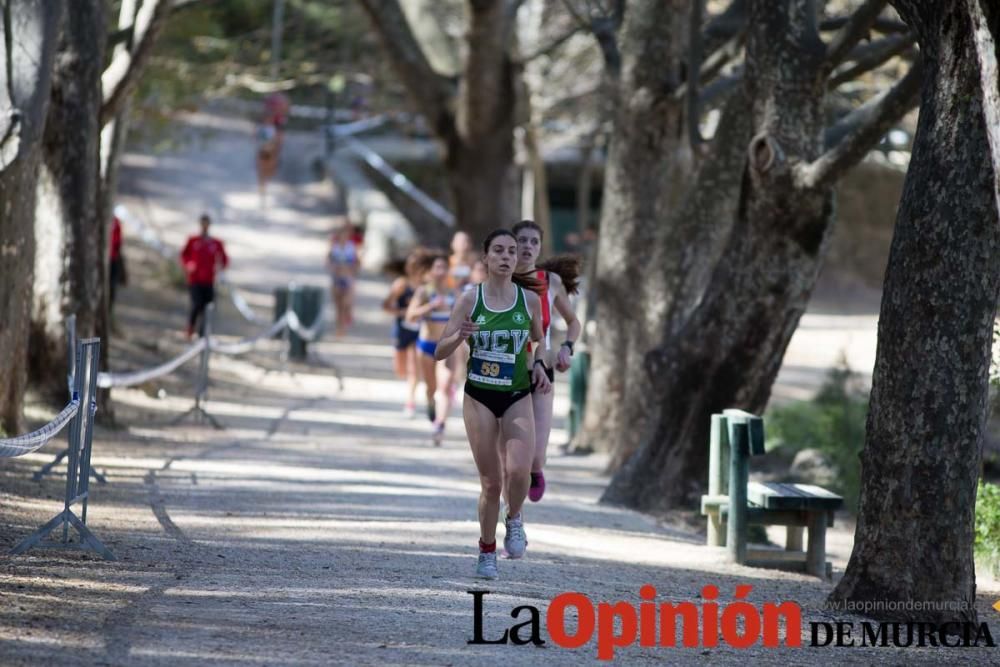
(405, 333)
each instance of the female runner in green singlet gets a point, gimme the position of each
(498, 318)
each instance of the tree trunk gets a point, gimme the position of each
(925, 428)
(693, 237)
(728, 351)
(25, 92)
(483, 183)
(722, 346)
(69, 255)
(113, 139)
(474, 120)
(646, 161)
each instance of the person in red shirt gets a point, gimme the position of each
(201, 258)
(117, 268)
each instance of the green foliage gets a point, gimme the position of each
(218, 48)
(833, 422)
(988, 526)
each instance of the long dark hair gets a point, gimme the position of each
(568, 267)
(527, 280)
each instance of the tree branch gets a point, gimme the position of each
(577, 16)
(430, 91)
(725, 26)
(870, 56)
(604, 26)
(857, 27)
(693, 72)
(882, 25)
(985, 21)
(712, 65)
(863, 128)
(605, 32)
(122, 75)
(721, 88)
(120, 36)
(548, 49)
(485, 80)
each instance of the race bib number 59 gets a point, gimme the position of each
(496, 368)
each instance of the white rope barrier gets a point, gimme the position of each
(314, 330)
(108, 380)
(242, 307)
(246, 344)
(242, 346)
(30, 442)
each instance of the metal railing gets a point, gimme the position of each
(79, 414)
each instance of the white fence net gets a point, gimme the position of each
(30, 442)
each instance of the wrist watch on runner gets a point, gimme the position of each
(569, 344)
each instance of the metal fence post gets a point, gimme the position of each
(201, 382)
(71, 371)
(71, 353)
(80, 445)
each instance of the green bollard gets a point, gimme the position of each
(578, 371)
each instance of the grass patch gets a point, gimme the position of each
(987, 546)
(832, 422)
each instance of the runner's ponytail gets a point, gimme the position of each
(566, 267)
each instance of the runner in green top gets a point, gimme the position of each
(499, 355)
(498, 319)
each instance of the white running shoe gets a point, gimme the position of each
(515, 541)
(487, 566)
(409, 411)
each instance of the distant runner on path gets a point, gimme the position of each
(117, 273)
(430, 308)
(342, 262)
(268, 152)
(498, 318)
(404, 333)
(201, 257)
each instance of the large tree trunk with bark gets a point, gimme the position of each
(693, 236)
(734, 339)
(30, 31)
(69, 230)
(926, 422)
(475, 120)
(647, 163)
(726, 352)
(669, 203)
(479, 163)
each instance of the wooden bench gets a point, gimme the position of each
(796, 506)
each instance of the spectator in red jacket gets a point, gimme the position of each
(117, 273)
(201, 258)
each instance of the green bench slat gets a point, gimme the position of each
(776, 496)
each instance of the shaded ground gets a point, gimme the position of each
(321, 527)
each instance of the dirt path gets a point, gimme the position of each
(321, 527)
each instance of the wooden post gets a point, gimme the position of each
(739, 450)
(816, 550)
(715, 536)
(793, 539)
